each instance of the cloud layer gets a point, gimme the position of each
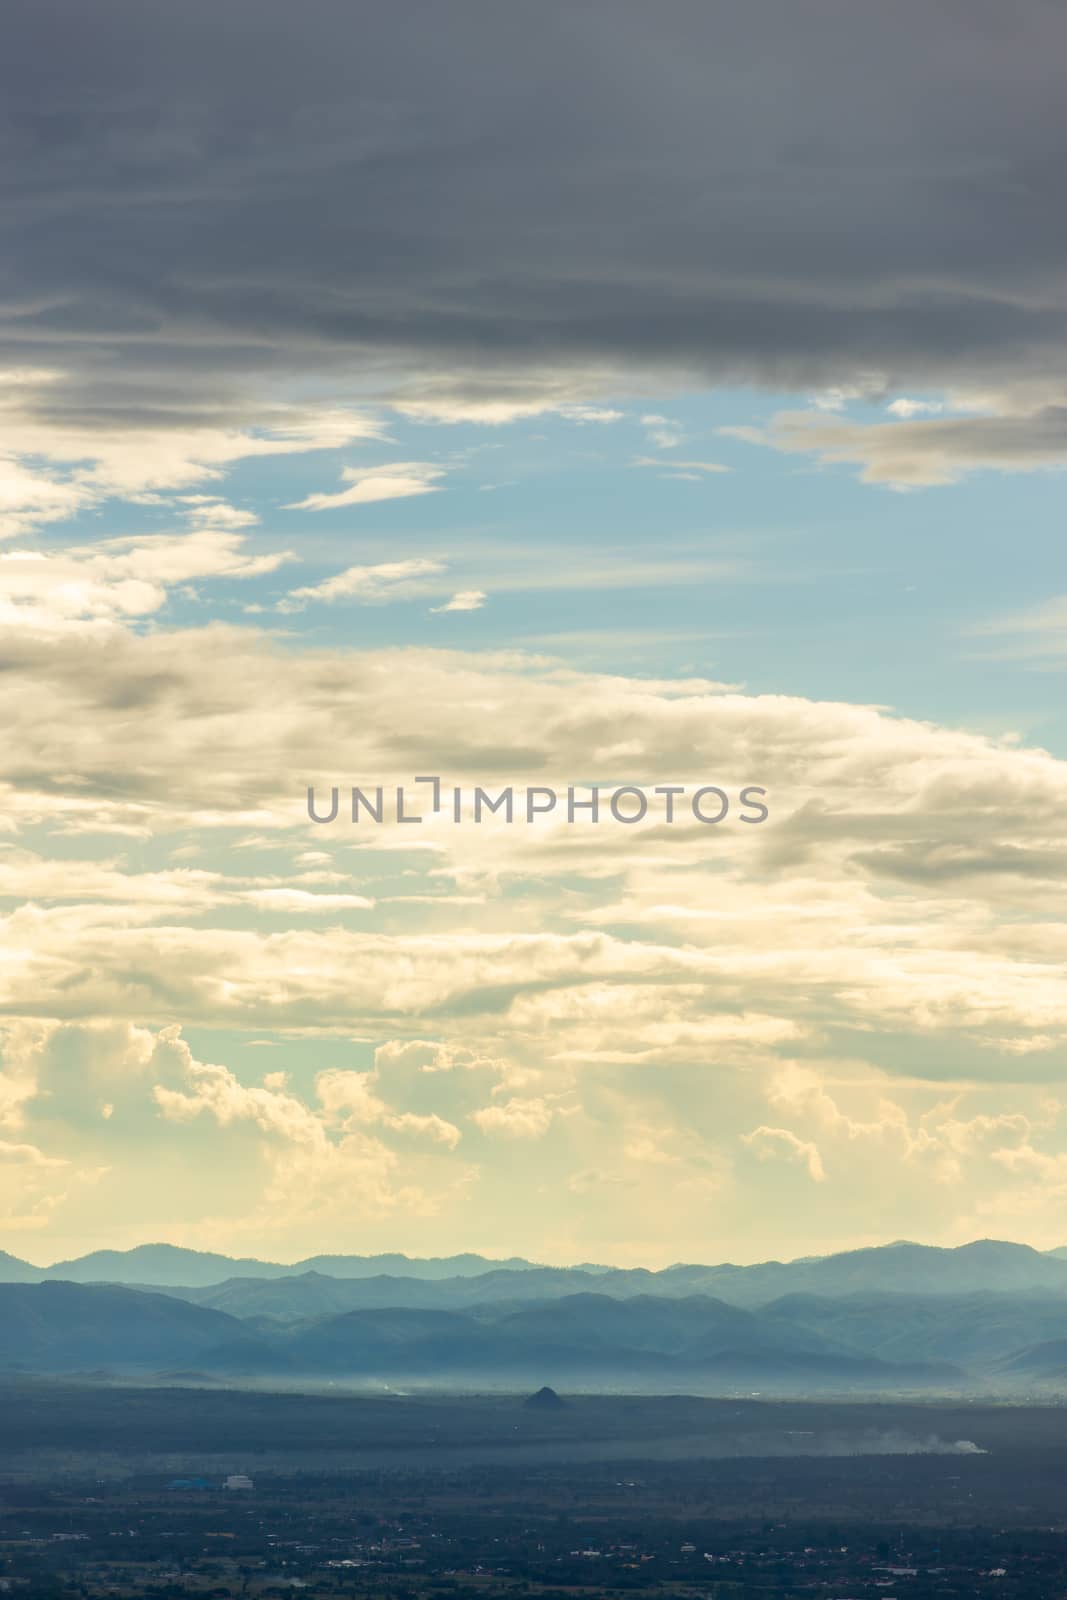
(841, 194)
(700, 1014)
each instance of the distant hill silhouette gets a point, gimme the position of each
(986, 1265)
(12, 1270)
(68, 1327)
(170, 1266)
(545, 1399)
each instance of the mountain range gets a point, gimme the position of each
(897, 1317)
(985, 1265)
(170, 1265)
(64, 1327)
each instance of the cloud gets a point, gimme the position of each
(312, 1164)
(681, 466)
(517, 568)
(301, 902)
(955, 1159)
(33, 1186)
(903, 407)
(838, 395)
(925, 453)
(1038, 634)
(397, 480)
(515, 1119)
(27, 1154)
(375, 585)
(29, 497)
(204, 511)
(56, 467)
(116, 581)
(464, 600)
(588, 413)
(695, 207)
(496, 402)
(771, 1142)
(525, 1004)
(396, 1145)
(663, 432)
(883, 893)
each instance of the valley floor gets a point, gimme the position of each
(109, 1490)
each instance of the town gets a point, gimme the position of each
(111, 1491)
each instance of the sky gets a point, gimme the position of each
(532, 397)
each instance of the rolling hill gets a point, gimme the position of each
(68, 1327)
(589, 1338)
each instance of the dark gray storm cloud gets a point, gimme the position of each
(793, 192)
